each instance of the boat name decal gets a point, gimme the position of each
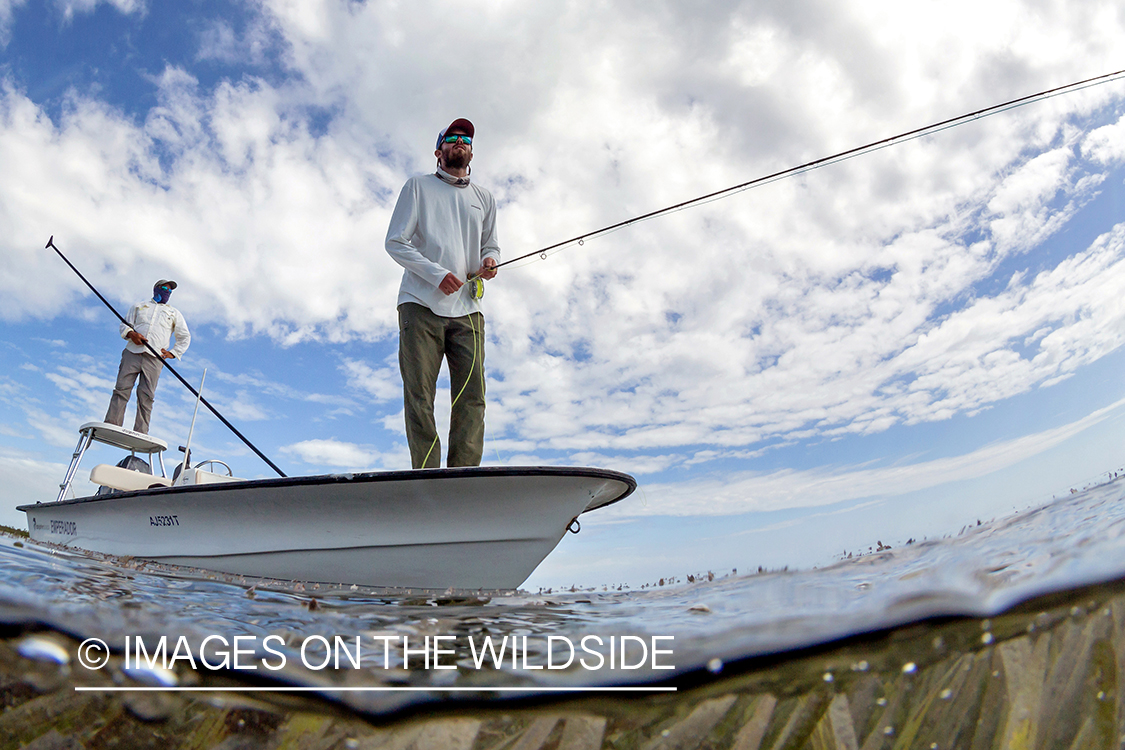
(163, 521)
(69, 528)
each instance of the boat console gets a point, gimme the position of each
(132, 480)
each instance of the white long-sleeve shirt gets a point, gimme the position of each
(157, 323)
(438, 228)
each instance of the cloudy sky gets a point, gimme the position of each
(893, 346)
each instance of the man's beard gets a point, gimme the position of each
(458, 159)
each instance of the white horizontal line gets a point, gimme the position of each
(344, 689)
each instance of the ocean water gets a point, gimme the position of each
(1010, 634)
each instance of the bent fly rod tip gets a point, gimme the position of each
(50, 242)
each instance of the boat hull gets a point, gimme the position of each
(482, 527)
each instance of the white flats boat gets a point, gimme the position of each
(469, 528)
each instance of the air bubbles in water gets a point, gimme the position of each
(154, 676)
(43, 649)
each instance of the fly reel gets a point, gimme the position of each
(476, 288)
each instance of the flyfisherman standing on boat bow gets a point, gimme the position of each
(153, 321)
(443, 232)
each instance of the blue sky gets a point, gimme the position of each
(886, 348)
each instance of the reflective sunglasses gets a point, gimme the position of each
(466, 139)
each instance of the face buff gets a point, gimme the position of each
(161, 294)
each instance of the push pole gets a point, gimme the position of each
(51, 244)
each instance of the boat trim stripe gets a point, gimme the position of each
(304, 550)
(365, 477)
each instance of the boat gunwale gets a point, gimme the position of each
(362, 478)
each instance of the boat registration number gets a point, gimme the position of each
(163, 521)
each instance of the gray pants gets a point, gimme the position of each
(132, 365)
(424, 338)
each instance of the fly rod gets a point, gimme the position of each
(824, 161)
(51, 244)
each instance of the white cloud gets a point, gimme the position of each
(221, 42)
(856, 356)
(381, 383)
(849, 300)
(1106, 145)
(67, 8)
(344, 455)
(7, 10)
(261, 385)
(755, 491)
(70, 7)
(278, 229)
(93, 391)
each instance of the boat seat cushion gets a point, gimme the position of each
(127, 480)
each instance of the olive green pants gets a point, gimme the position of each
(424, 338)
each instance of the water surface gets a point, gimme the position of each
(864, 652)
